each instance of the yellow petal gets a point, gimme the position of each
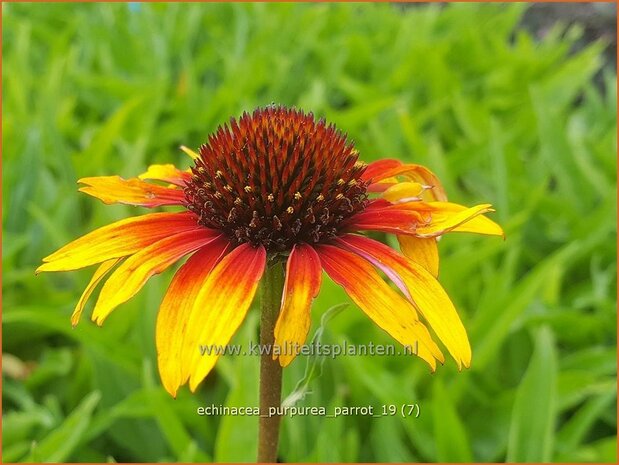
(189, 152)
(114, 189)
(422, 251)
(403, 191)
(175, 310)
(303, 275)
(480, 225)
(383, 305)
(447, 216)
(101, 272)
(118, 239)
(426, 177)
(129, 278)
(425, 291)
(167, 173)
(219, 309)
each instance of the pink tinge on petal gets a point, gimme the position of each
(393, 276)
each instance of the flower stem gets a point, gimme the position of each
(272, 285)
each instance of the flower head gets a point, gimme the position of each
(276, 178)
(275, 184)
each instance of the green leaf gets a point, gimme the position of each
(313, 368)
(61, 442)
(452, 443)
(178, 438)
(574, 432)
(531, 433)
(237, 436)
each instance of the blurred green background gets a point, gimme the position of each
(524, 121)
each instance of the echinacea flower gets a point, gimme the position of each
(276, 185)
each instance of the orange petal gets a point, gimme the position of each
(422, 251)
(376, 170)
(167, 173)
(410, 171)
(118, 239)
(129, 278)
(382, 304)
(426, 177)
(425, 292)
(303, 275)
(101, 273)
(219, 309)
(383, 185)
(114, 189)
(381, 215)
(175, 310)
(374, 173)
(423, 219)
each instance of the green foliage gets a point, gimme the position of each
(96, 89)
(532, 427)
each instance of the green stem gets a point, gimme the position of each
(272, 286)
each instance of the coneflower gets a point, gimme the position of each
(276, 196)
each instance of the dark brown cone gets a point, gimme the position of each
(277, 177)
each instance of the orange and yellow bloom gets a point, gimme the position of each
(276, 185)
